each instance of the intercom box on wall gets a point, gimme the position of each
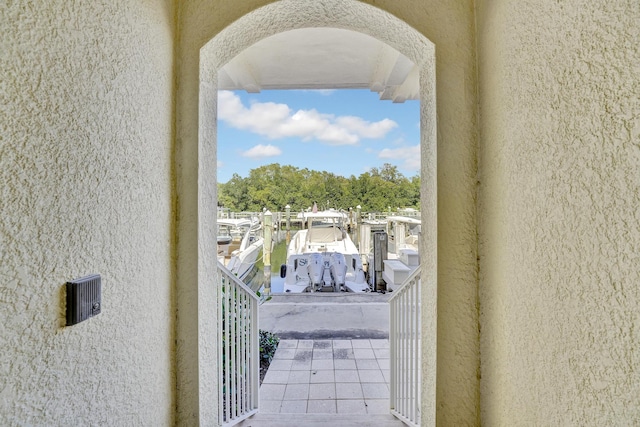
(84, 298)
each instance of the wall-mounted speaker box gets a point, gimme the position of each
(84, 298)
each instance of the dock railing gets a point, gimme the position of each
(238, 349)
(279, 218)
(405, 348)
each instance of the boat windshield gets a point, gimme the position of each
(328, 222)
(233, 231)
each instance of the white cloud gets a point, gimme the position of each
(410, 156)
(220, 164)
(276, 121)
(260, 151)
(366, 129)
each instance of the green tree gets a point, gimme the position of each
(274, 186)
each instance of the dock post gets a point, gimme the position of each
(358, 208)
(287, 210)
(266, 250)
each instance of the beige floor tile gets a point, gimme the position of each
(303, 354)
(361, 343)
(276, 377)
(299, 377)
(349, 391)
(371, 376)
(322, 364)
(293, 407)
(301, 365)
(381, 353)
(377, 406)
(344, 364)
(341, 344)
(284, 353)
(321, 353)
(296, 392)
(270, 406)
(375, 390)
(321, 406)
(367, 364)
(322, 376)
(305, 344)
(280, 365)
(322, 391)
(363, 353)
(383, 364)
(351, 406)
(347, 376)
(322, 344)
(272, 391)
(379, 343)
(288, 344)
(343, 353)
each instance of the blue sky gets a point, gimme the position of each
(345, 132)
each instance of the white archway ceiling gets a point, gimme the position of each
(322, 58)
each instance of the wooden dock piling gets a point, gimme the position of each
(266, 251)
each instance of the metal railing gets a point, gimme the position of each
(226, 213)
(405, 348)
(238, 349)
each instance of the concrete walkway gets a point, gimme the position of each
(338, 376)
(327, 316)
(333, 356)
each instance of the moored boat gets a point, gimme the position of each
(391, 253)
(322, 257)
(239, 244)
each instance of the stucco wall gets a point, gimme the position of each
(86, 107)
(559, 212)
(450, 25)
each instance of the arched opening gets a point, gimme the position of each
(354, 16)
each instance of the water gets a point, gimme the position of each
(278, 257)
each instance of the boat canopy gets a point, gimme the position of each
(404, 219)
(323, 214)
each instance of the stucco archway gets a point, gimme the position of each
(251, 28)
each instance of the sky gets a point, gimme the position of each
(345, 132)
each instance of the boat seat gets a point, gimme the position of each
(233, 246)
(411, 240)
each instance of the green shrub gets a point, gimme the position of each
(268, 345)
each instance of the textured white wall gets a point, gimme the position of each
(559, 212)
(86, 98)
(86, 107)
(450, 25)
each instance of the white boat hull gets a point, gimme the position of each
(323, 258)
(239, 245)
(324, 272)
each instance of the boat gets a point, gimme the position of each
(239, 245)
(391, 253)
(322, 257)
(403, 233)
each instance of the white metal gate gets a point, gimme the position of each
(238, 349)
(405, 349)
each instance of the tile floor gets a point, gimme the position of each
(328, 376)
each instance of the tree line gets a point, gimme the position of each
(274, 186)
